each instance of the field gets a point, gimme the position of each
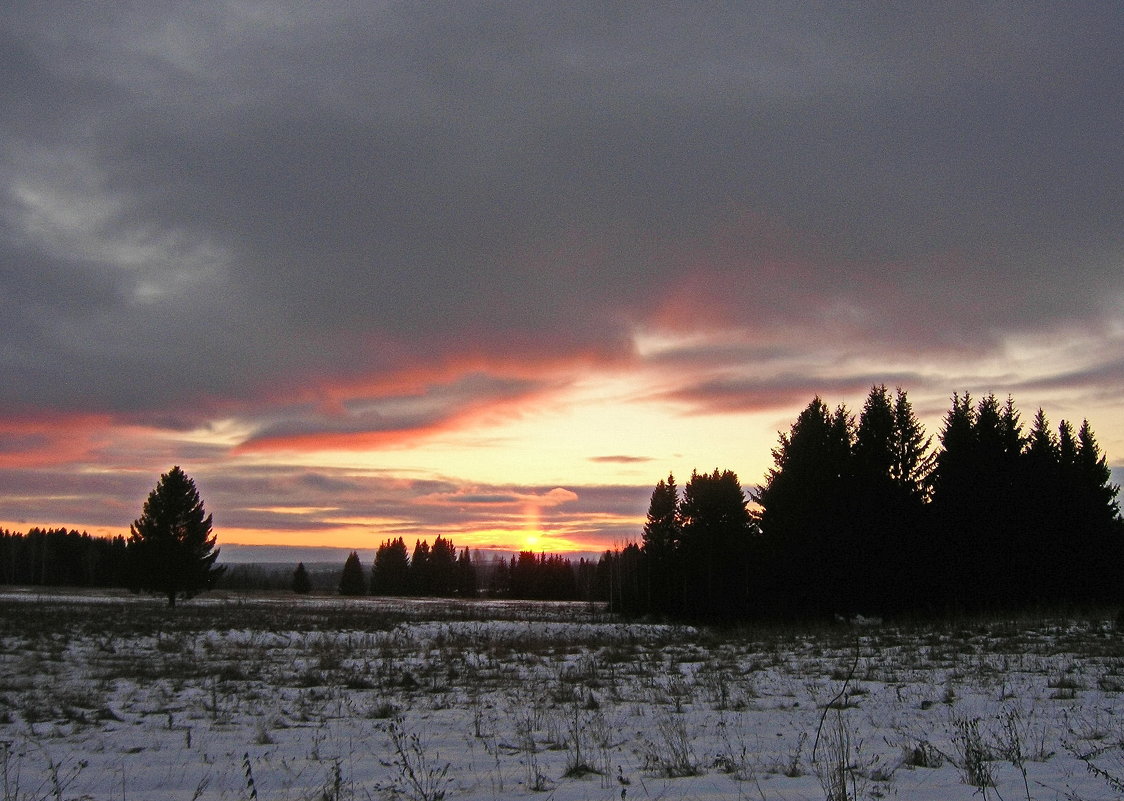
(113, 697)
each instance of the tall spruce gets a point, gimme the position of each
(171, 550)
(1101, 553)
(390, 574)
(887, 504)
(442, 568)
(715, 552)
(663, 531)
(466, 575)
(1040, 516)
(352, 580)
(955, 499)
(805, 513)
(875, 441)
(913, 458)
(421, 575)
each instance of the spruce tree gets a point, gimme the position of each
(442, 567)
(171, 550)
(955, 499)
(912, 457)
(421, 573)
(715, 551)
(466, 575)
(390, 574)
(352, 580)
(806, 515)
(874, 439)
(1039, 510)
(886, 504)
(1101, 551)
(302, 584)
(662, 534)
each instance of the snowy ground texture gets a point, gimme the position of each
(113, 697)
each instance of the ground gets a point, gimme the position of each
(110, 696)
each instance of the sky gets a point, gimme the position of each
(489, 271)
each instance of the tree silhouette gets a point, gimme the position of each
(421, 571)
(466, 575)
(442, 568)
(887, 480)
(715, 550)
(912, 457)
(390, 574)
(302, 584)
(1101, 552)
(352, 581)
(806, 516)
(662, 534)
(978, 526)
(171, 550)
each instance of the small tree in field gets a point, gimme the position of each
(302, 584)
(171, 550)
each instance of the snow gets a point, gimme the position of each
(106, 696)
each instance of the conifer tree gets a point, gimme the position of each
(875, 454)
(715, 550)
(1101, 553)
(955, 500)
(352, 580)
(171, 550)
(806, 515)
(1095, 479)
(302, 584)
(912, 458)
(442, 567)
(524, 575)
(466, 575)
(661, 537)
(1038, 562)
(421, 574)
(390, 574)
(886, 504)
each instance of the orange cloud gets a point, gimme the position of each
(373, 412)
(42, 441)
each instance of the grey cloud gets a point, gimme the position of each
(365, 188)
(620, 459)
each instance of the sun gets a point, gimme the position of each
(531, 541)
(532, 528)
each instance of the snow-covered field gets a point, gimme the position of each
(113, 697)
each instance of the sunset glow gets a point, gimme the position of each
(489, 273)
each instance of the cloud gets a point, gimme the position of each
(469, 498)
(361, 421)
(620, 459)
(502, 181)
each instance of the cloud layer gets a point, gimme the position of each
(234, 231)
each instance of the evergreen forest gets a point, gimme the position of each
(866, 516)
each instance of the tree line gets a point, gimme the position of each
(867, 516)
(443, 572)
(58, 557)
